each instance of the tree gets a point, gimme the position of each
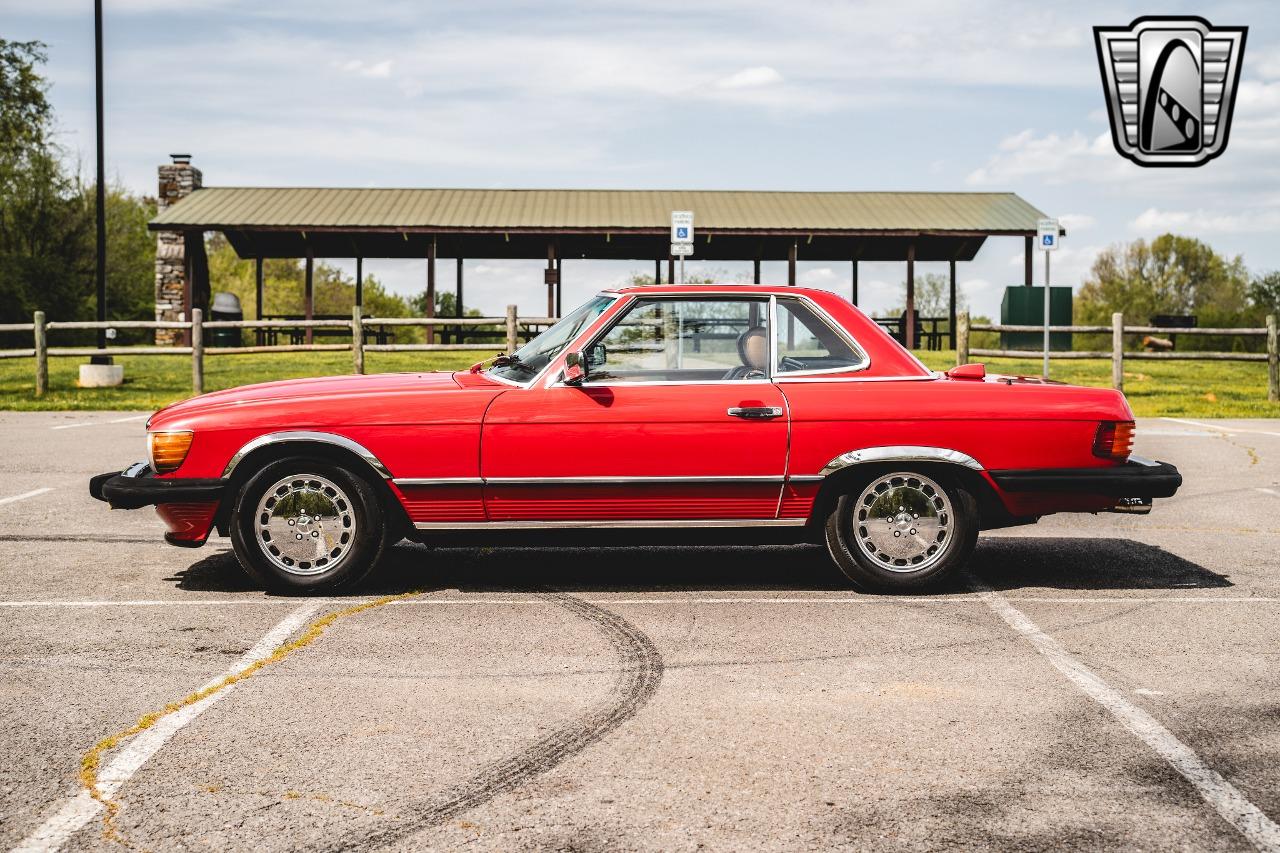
(933, 297)
(47, 247)
(1264, 292)
(1170, 275)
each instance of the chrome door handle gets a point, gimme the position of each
(756, 413)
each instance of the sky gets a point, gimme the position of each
(728, 94)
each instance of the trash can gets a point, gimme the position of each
(225, 306)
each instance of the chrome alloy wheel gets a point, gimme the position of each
(305, 524)
(903, 522)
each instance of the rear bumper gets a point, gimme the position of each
(137, 486)
(1137, 478)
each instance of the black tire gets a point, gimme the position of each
(848, 538)
(356, 531)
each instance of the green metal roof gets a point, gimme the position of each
(296, 208)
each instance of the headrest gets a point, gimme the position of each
(753, 348)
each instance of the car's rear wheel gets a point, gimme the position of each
(902, 529)
(307, 525)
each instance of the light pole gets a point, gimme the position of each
(101, 199)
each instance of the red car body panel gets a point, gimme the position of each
(468, 449)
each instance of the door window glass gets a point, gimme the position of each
(807, 342)
(684, 340)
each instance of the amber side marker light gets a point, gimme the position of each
(1114, 440)
(168, 449)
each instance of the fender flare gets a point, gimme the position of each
(899, 453)
(305, 436)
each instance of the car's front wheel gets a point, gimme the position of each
(307, 525)
(900, 530)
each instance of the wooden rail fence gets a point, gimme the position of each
(39, 328)
(1117, 353)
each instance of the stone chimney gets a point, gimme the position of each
(173, 290)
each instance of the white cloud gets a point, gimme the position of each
(356, 66)
(1074, 222)
(750, 78)
(1052, 158)
(1155, 221)
(1266, 63)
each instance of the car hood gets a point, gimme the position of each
(345, 391)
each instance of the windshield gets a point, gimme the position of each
(531, 358)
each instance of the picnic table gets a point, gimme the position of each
(373, 333)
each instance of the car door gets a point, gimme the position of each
(675, 420)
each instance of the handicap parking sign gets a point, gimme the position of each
(682, 233)
(1048, 231)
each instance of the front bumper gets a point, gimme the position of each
(138, 486)
(1137, 478)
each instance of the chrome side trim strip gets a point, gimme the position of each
(304, 436)
(784, 378)
(656, 522)
(438, 481)
(595, 481)
(900, 454)
(805, 478)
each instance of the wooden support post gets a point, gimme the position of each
(671, 270)
(909, 333)
(791, 264)
(457, 292)
(962, 338)
(1273, 361)
(559, 286)
(952, 315)
(197, 351)
(1117, 351)
(549, 277)
(360, 282)
(430, 310)
(42, 355)
(258, 282)
(309, 296)
(357, 339)
(1026, 260)
(657, 271)
(513, 330)
(854, 291)
(755, 271)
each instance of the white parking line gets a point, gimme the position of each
(1227, 430)
(1267, 491)
(124, 420)
(1251, 821)
(81, 808)
(22, 497)
(279, 602)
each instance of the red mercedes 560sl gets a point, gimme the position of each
(741, 407)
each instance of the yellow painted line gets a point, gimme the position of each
(100, 784)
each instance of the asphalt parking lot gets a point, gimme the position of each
(1094, 682)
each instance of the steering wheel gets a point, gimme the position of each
(788, 364)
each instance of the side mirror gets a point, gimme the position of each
(597, 356)
(574, 369)
(973, 370)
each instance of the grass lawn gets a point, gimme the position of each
(1154, 388)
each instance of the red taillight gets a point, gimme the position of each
(1114, 440)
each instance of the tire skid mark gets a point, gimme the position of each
(638, 676)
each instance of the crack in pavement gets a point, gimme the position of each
(637, 680)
